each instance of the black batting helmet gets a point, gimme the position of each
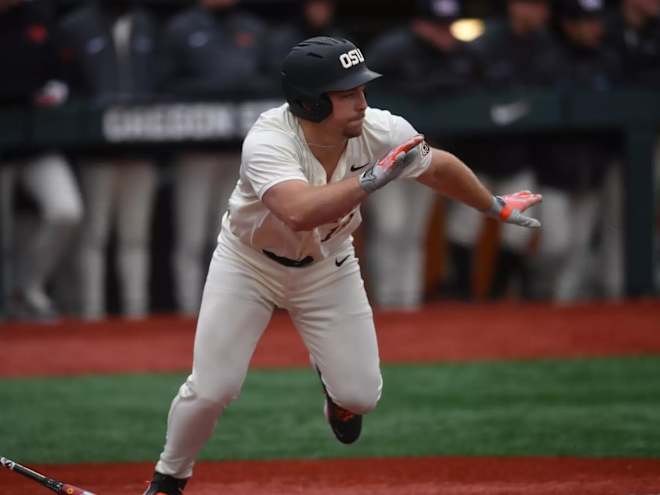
(318, 65)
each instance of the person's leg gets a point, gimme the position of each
(574, 273)
(225, 176)
(513, 264)
(193, 184)
(398, 217)
(234, 313)
(98, 188)
(656, 189)
(51, 183)
(7, 180)
(136, 189)
(612, 232)
(464, 226)
(333, 316)
(556, 242)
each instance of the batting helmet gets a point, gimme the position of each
(318, 65)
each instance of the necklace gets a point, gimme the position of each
(326, 146)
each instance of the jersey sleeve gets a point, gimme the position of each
(401, 131)
(269, 158)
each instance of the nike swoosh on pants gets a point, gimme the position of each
(341, 261)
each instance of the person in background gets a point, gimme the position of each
(108, 49)
(311, 18)
(517, 55)
(633, 30)
(211, 51)
(572, 172)
(29, 63)
(422, 59)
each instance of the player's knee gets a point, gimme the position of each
(66, 213)
(137, 241)
(555, 245)
(515, 239)
(362, 404)
(188, 393)
(362, 397)
(221, 392)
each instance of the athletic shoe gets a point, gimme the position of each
(32, 306)
(346, 425)
(163, 484)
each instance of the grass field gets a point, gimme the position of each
(605, 407)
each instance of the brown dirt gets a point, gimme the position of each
(407, 476)
(444, 332)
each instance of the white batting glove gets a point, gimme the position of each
(391, 165)
(509, 208)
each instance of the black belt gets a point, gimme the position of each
(307, 260)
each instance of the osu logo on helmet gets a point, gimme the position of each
(351, 58)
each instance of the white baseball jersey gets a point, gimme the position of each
(275, 150)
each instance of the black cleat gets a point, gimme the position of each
(163, 484)
(346, 425)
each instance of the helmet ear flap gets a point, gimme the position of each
(323, 107)
(314, 110)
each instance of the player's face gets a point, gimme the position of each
(348, 108)
(531, 14)
(650, 8)
(319, 13)
(218, 4)
(585, 32)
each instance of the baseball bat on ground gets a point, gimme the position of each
(56, 486)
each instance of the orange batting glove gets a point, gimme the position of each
(509, 208)
(391, 165)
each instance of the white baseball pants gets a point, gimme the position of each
(124, 188)
(51, 183)
(398, 217)
(329, 307)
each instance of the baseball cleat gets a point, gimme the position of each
(346, 425)
(163, 484)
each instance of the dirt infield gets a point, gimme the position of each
(407, 476)
(446, 332)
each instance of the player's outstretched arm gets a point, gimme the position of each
(304, 207)
(451, 177)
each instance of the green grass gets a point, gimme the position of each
(592, 408)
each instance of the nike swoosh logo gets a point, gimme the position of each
(355, 167)
(342, 261)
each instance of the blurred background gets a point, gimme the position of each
(121, 124)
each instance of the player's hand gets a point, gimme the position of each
(509, 208)
(391, 165)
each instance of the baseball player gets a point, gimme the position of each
(286, 242)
